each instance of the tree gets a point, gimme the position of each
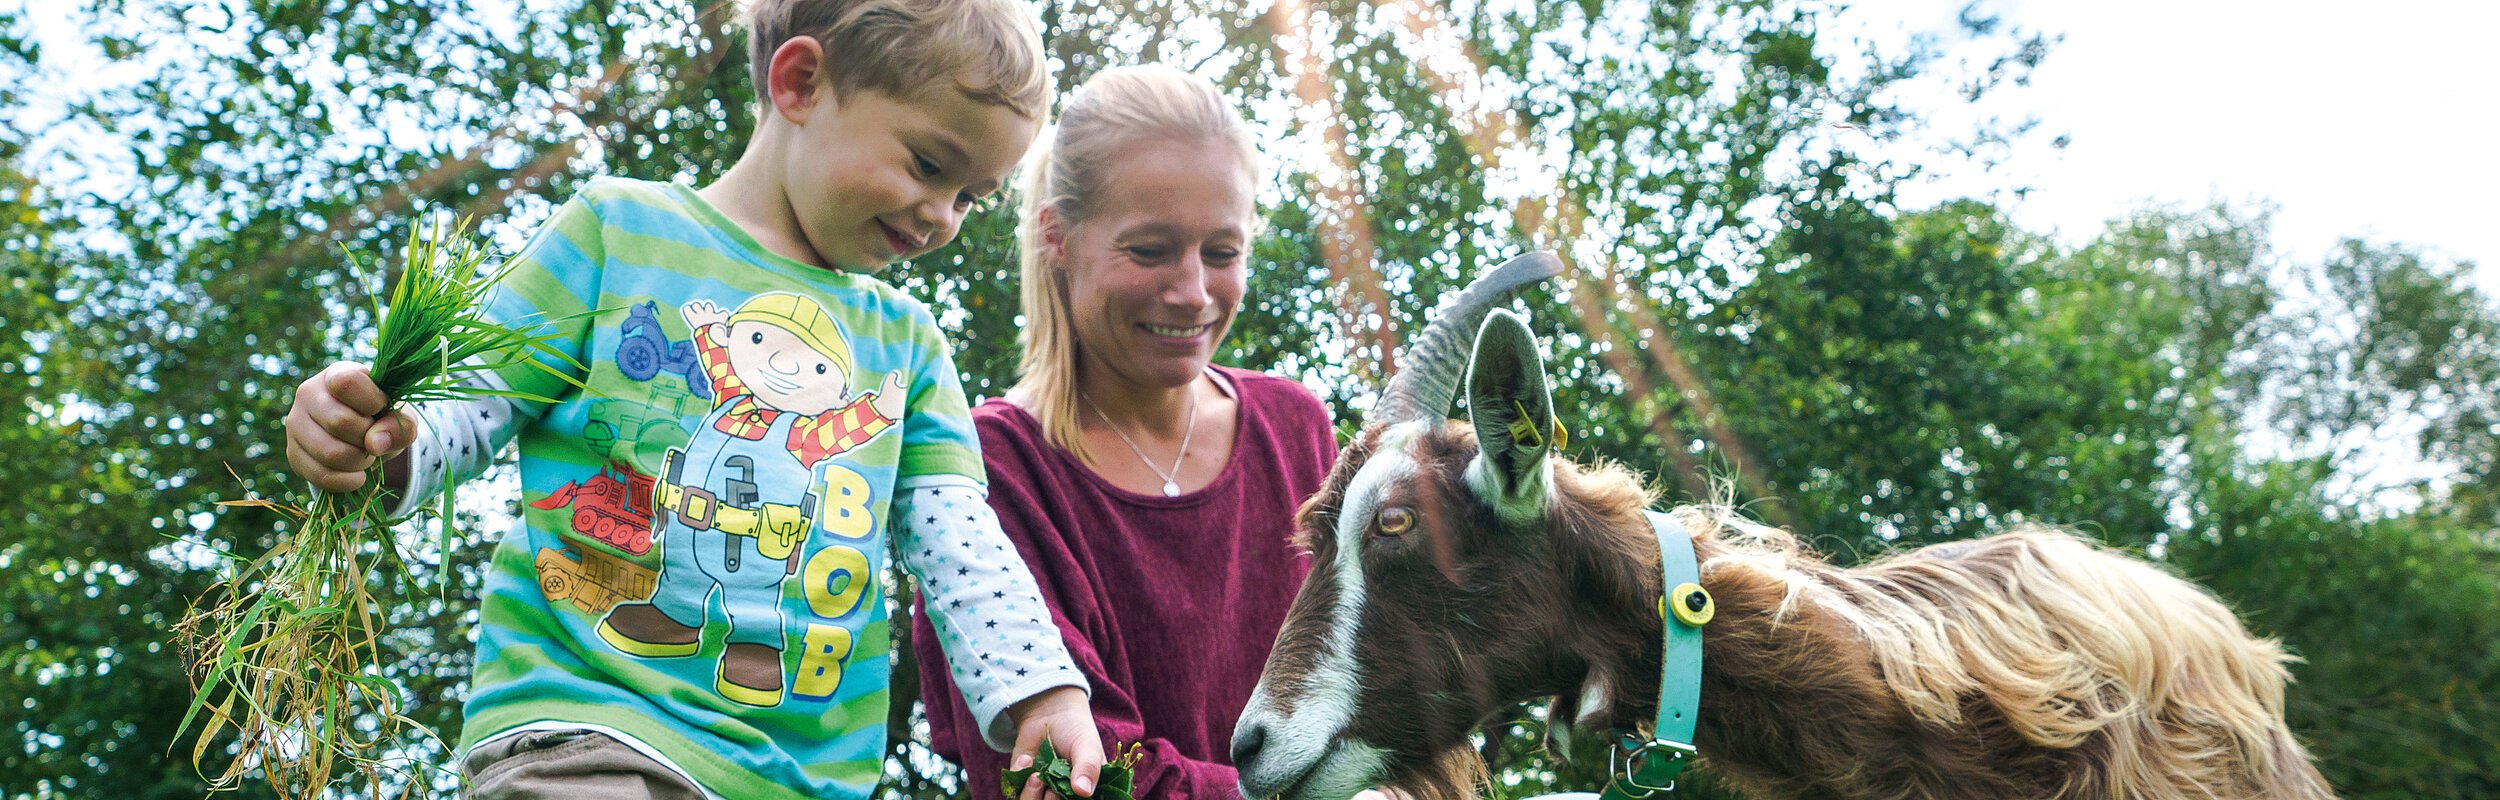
(204, 280)
(1749, 302)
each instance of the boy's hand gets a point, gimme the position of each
(332, 431)
(1062, 716)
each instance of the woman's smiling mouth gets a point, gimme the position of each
(1169, 332)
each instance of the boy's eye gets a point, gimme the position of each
(820, 369)
(926, 167)
(966, 202)
(757, 338)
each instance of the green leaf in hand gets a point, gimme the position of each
(1118, 782)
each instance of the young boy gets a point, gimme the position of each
(689, 607)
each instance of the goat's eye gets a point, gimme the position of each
(1395, 520)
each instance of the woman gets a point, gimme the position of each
(1151, 492)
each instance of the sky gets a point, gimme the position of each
(2378, 120)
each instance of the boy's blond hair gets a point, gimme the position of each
(988, 49)
(1099, 125)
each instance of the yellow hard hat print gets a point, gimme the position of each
(802, 317)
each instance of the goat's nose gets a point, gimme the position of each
(1246, 744)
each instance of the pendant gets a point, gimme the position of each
(1171, 489)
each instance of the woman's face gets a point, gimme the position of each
(1157, 271)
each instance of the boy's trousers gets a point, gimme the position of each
(568, 764)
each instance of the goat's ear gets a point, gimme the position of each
(1514, 419)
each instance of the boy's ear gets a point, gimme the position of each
(797, 78)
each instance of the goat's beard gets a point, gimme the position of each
(1454, 774)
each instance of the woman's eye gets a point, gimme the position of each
(820, 369)
(1146, 253)
(1222, 256)
(1395, 520)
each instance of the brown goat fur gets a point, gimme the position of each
(2032, 664)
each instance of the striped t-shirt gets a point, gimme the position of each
(696, 565)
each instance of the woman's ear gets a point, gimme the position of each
(797, 79)
(1054, 237)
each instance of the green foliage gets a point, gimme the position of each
(1118, 779)
(286, 655)
(2392, 616)
(1751, 309)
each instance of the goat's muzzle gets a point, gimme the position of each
(1298, 756)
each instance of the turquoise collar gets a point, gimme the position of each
(1650, 766)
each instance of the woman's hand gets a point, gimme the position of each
(336, 429)
(1062, 716)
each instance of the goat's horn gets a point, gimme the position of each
(1429, 371)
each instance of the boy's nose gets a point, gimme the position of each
(941, 218)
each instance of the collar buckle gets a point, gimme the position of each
(1642, 769)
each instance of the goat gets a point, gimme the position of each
(1460, 569)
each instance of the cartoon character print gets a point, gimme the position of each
(734, 505)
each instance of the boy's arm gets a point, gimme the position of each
(988, 612)
(455, 440)
(552, 283)
(1165, 772)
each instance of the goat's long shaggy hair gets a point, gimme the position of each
(2033, 663)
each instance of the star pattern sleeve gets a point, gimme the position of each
(987, 610)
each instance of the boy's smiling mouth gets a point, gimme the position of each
(895, 239)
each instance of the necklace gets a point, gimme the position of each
(1171, 480)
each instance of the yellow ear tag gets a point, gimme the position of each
(1523, 432)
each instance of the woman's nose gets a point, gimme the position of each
(1188, 287)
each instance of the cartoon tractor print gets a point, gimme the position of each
(646, 351)
(613, 507)
(624, 430)
(593, 580)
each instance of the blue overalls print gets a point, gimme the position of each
(715, 556)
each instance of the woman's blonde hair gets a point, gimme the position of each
(1102, 121)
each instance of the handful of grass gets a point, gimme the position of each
(1119, 775)
(285, 652)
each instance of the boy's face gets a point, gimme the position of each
(874, 179)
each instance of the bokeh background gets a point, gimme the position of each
(1885, 272)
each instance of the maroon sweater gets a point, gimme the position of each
(1169, 604)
